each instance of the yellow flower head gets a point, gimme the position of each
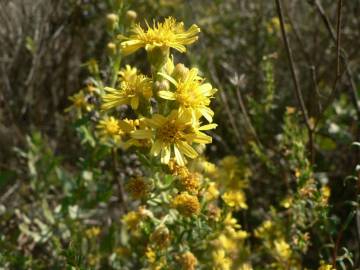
(188, 261)
(282, 249)
(132, 220)
(325, 194)
(93, 232)
(230, 222)
(235, 199)
(186, 204)
(79, 102)
(150, 255)
(212, 192)
(129, 93)
(173, 136)
(169, 34)
(231, 174)
(138, 187)
(190, 183)
(191, 94)
(264, 229)
(128, 73)
(161, 236)
(109, 128)
(220, 261)
(178, 170)
(325, 266)
(130, 125)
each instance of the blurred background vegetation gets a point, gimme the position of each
(52, 189)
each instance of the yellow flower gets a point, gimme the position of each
(212, 192)
(128, 73)
(174, 134)
(161, 236)
(230, 222)
(226, 243)
(235, 199)
(129, 93)
(186, 204)
(138, 187)
(128, 126)
(245, 266)
(325, 194)
(265, 228)
(325, 266)
(79, 102)
(169, 34)
(132, 220)
(191, 94)
(178, 170)
(190, 183)
(109, 128)
(150, 255)
(220, 261)
(282, 249)
(188, 261)
(287, 202)
(231, 174)
(93, 232)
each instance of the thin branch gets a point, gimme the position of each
(298, 92)
(225, 101)
(246, 115)
(353, 94)
(338, 37)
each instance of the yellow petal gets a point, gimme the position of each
(169, 78)
(207, 127)
(156, 121)
(180, 159)
(202, 138)
(134, 103)
(156, 148)
(186, 149)
(141, 134)
(167, 95)
(131, 46)
(165, 154)
(207, 113)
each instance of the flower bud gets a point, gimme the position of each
(112, 21)
(111, 48)
(161, 236)
(162, 85)
(131, 15)
(180, 72)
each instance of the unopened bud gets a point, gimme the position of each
(161, 236)
(180, 72)
(162, 85)
(112, 21)
(111, 48)
(131, 15)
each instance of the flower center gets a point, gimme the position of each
(112, 127)
(169, 132)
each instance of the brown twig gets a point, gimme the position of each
(338, 38)
(246, 115)
(353, 94)
(225, 101)
(298, 92)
